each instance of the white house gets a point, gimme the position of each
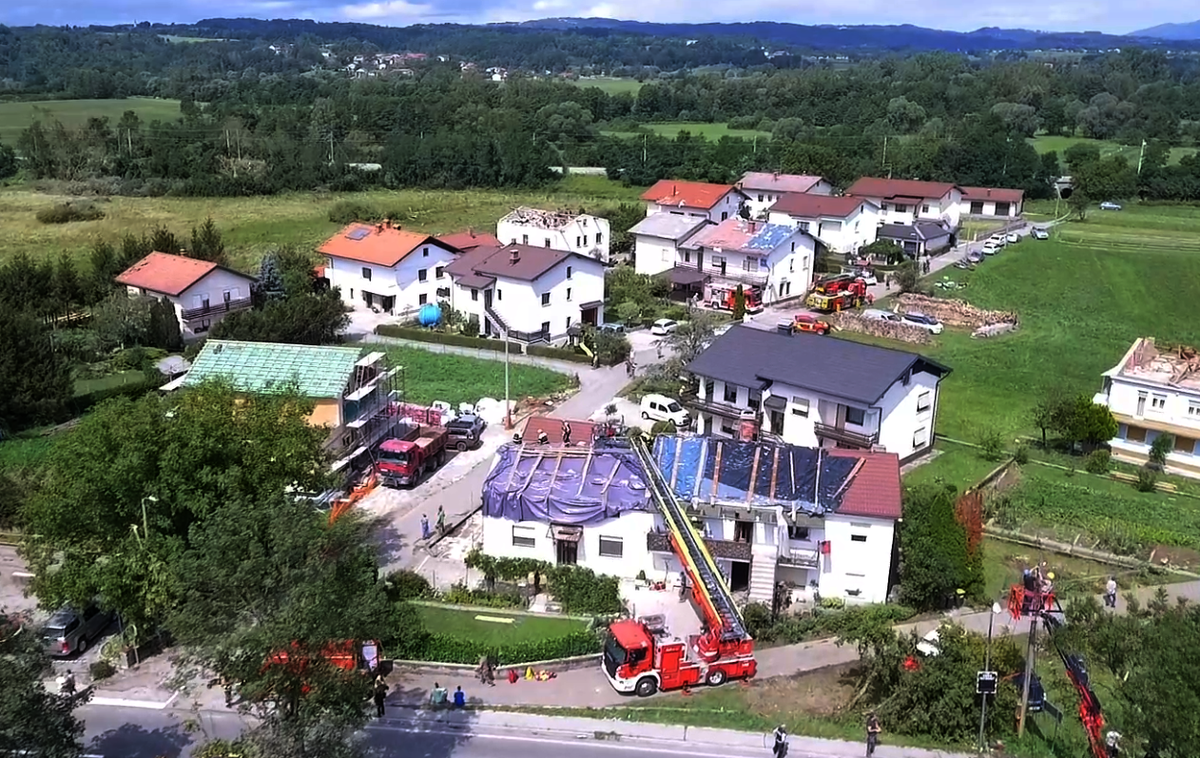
(534, 293)
(989, 202)
(842, 224)
(903, 201)
(558, 230)
(715, 202)
(201, 291)
(762, 190)
(918, 238)
(656, 240)
(385, 267)
(1153, 392)
(812, 390)
(774, 257)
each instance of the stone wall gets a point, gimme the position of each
(958, 313)
(853, 322)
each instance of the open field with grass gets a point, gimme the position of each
(15, 117)
(610, 85)
(492, 627)
(430, 376)
(119, 379)
(253, 225)
(707, 131)
(1045, 143)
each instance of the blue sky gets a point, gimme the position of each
(1112, 16)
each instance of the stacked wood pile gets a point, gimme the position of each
(853, 322)
(957, 313)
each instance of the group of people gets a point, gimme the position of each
(1039, 579)
(441, 524)
(440, 697)
(543, 438)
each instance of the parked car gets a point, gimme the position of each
(999, 239)
(873, 314)
(612, 327)
(664, 326)
(1012, 238)
(1110, 206)
(928, 323)
(1039, 233)
(975, 257)
(805, 322)
(465, 432)
(69, 631)
(867, 275)
(663, 408)
(991, 248)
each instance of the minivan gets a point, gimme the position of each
(663, 408)
(69, 632)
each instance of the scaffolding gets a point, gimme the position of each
(370, 411)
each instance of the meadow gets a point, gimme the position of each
(707, 131)
(609, 85)
(16, 117)
(430, 376)
(1045, 143)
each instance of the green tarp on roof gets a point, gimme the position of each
(318, 371)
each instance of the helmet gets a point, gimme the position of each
(1050, 575)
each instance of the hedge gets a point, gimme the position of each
(447, 648)
(444, 338)
(85, 403)
(558, 353)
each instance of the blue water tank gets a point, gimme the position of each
(429, 315)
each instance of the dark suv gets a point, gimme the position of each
(465, 432)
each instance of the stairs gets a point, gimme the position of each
(762, 574)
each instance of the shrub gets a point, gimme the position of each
(1146, 479)
(101, 670)
(581, 591)
(665, 426)
(831, 622)
(444, 338)
(1098, 462)
(407, 585)
(991, 444)
(1021, 454)
(65, 213)
(460, 595)
(1162, 445)
(349, 211)
(448, 648)
(757, 618)
(558, 353)
(137, 358)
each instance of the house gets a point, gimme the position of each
(384, 267)
(1155, 391)
(468, 240)
(534, 294)
(992, 203)
(817, 391)
(764, 189)
(715, 202)
(558, 230)
(774, 257)
(353, 393)
(843, 224)
(920, 238)
(903, 201)
(201, 291)
(656, 240)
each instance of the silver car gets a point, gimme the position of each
(873, 314)
(68, 631)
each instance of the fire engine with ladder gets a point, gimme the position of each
(639, 656)
(837, 294)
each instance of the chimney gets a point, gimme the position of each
(514, 255)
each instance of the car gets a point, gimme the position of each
(68, 631)
(1037, 693)
(663, 327)
(1012, 238)
(804, 322)
(867, 275)
(663, 408)
(1039, 233)
(874, 314)
(465, 432)
(991, 248)
(612, 327)
(974, 257)
(1110, 206)
(928, 323)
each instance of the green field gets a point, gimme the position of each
(707, 131)
(15, 117)
(430, 376)
(119, 379)
(253, 225)
(187, 40)
(1045, 143)
(467, 625)
(610, 85)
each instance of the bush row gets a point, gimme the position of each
(460, 595)
(558, 353)
(65, 213)
(444, 338)
(407, 584)
(349, 211)
(447, 648)
(579, 590)
(84, 403)
(823, 622)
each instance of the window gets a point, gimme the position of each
(925, 208)
(366, 273)
(474, 295)
(750, 264)
(578, 241)
(599, 238)
(798, 533)
(883, 207)
(1141, 404)
(901, 208)
(422, 299)
(424, 252)
(760, 198)
(524, 536)
(568, 294)
(568, 322)
(793, 247)
(569, 270)
(440, 272)
(727, 427)
(422, 275)
(724, 215)
(499, 295)
(546, 328)
(1193, 408)
(800, 406)
(791, 264)
(856, 416)
(545, 299)
(524, 239)
(687, 256)
(1158, 402)
(731, 393)
(858, 538)
(976, 207)
(611, 547)
(546, 242)
(920, 437)
(804, 226)
(924, 401)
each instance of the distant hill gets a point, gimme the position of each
(1171, 31)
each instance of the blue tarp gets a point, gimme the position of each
(545, 485)
(805, 478)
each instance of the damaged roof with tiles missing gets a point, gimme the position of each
(542, 219)
(765, 182)
(1171, 367)
(739, 235)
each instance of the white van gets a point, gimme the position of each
(663, 408)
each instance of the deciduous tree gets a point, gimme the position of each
(33, 720)
(35, 379)
(934, 557)
(313, 319)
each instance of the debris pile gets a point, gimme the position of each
(541, 219)
(854, 322)
(957, 313)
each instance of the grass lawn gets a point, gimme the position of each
(609, 84)
(119, 379)
(467, 625)
(15, 117)
(1045, 143)
(254, 225)
(707, 131)
(430, 376)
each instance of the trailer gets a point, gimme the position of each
(405, 462)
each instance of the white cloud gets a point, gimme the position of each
(390, 9)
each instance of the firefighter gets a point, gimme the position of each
(873, 730)
(1112, 744)
(781, 744)
(543, 438)
(566, 432)
(516, 438)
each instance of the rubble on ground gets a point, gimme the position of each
(854, 322)
(958, 313)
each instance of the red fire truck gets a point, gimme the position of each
(642, 658)
(722, 298)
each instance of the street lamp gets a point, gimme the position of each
(145, 521)
(987, 666)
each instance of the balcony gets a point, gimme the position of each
(660, 542)
(715, 407)
(846, 436)
(224, 306)
(800, 558)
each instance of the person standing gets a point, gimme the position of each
(441, 521)
(424, 527)
(873, 730)
(380, 693)
(1110, 592)
(1112, 744)
(566, 432)
(781, 745)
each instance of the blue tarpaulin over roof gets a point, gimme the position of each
(769, 237)
(753, 473)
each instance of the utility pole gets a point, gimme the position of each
(330, 147)
(1141, 155)
(644, 138)
(1030, 660)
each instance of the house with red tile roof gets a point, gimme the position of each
(763, 189)
(201, 291)
(842, 223)
(468, 239)
(904, 201)
(387, 268)
(990, 202)
(715, 202)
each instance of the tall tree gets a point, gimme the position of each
(934, 557)
(270, 278)
(68, 289)
(33, 721)
(35, 379)
(161, 240)
(207, 244)
(163, 329)
(8, 161)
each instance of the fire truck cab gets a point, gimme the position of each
(642, 659)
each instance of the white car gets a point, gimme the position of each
(991, 248)
(873, 314)
(999, 239)
(1012, 238)
(867, 276)
(928, 323)
(663, 327)
(1040, 234)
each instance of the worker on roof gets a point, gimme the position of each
(543, 438)
(516, 438)
(566, 432)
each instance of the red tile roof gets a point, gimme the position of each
(168, 274)
(686, 194)
(469, 240)
(875, 490)
(816, 206)
(379, 244)
(755, 180)
(990, 193)
(889, 188)
(581, 431)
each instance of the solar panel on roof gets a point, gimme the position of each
(358, 234)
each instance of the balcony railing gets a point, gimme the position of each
(800, 558)
(222, 306)
(715, 407)
(857, 439)
(660, 542)
(739, 275)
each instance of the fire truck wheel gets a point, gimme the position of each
(646, 687)
(715, 678)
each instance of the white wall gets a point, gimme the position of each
(841, 235)
(1179, 406)
(948, 208)
(989, 209)
(905, 430)
(761, 200)
(519, 303)
(212, 287)
(853, 564)
(401, 281)
(783, 272)
(653, 255)
(631, 529)
(586, 235)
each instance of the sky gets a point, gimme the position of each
(1112, 16)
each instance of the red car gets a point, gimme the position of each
(804, 322)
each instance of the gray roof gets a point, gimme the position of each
(839, 368)
(669, 226)
(922, 230)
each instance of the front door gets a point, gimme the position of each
(487, 298)
(567, 552)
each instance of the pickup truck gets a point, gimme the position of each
(404, 462)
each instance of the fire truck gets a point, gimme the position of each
(722, 298)
(837, 294)
(640, 656)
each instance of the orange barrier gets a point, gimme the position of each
(341, 506)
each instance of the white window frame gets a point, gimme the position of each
(924, 401)
(920, 437)
(1158, 402)
(801, 406)
(1194, 408)
(524, 535)
(605, 547)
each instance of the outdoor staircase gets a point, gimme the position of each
(762, 574)
(496, 320)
